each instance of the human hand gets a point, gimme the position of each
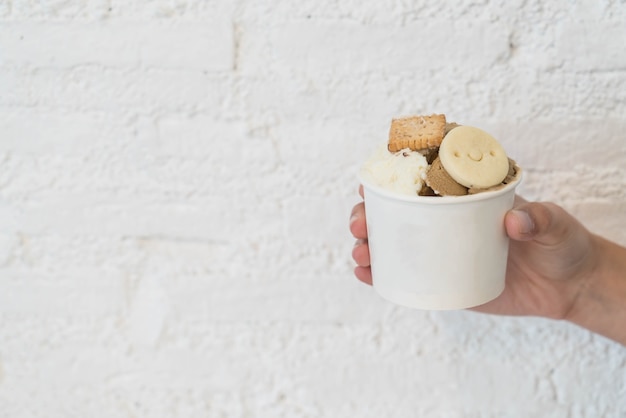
(360, 252)
(551, 257)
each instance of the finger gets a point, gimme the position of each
(358, 225)
(361, 190)
(545, 223)
(364, 274)
(361, 253)
(517, 224)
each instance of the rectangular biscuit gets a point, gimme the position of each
(416, 132)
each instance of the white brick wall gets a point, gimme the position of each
(176, 178)
(202, 45)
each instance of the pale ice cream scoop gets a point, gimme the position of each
(402, 172)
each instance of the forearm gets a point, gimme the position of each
(601, 303)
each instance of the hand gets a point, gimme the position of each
(551, 257)
(360, 252)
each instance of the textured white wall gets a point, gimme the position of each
(175, 184)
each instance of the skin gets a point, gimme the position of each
(556, 269)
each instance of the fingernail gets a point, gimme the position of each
(526, 224)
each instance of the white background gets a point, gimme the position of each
(176, 178)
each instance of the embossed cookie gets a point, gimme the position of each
(418, 133)
(511, 176)
(473, 158)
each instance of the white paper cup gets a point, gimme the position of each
(438, 252)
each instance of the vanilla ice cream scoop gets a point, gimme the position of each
(402, 172)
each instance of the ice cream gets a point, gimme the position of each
(436, 196)
(427, 156)
(402, 172)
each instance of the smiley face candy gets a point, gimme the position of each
(473, 158)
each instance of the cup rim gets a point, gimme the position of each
(439, 200)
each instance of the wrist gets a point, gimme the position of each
(600, 305)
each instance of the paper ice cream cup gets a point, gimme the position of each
(438, 253)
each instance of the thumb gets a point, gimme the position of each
(545, 223)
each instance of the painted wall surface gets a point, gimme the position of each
(176, 178)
